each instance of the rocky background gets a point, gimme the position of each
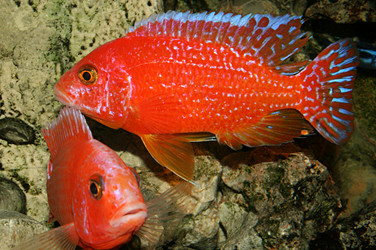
(304, 195)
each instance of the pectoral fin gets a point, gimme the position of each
(64, 238)
(161, 113)
(172, 151)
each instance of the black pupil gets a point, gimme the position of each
(86, 75)
(93, 189)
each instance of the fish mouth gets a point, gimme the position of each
(130, 214)
(62, 96)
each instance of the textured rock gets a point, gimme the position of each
(195, 5)
(246, 237)
(343, 11)
(11, 196)
(16, 131)
(231, 215)
(202, 230)
(357, 231)
(294, 199)
(16, 227)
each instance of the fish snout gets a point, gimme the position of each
(62, 96)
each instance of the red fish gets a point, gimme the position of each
(91, 192)
(181, 77)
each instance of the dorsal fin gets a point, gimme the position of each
(69, 124)
(272, 39)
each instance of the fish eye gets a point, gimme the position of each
(88, 75)
(96, 186)
(136, 175)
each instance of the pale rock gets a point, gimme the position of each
(16, 227)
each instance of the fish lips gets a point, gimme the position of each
(62, 96)
(134, 214)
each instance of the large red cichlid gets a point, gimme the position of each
(181, 77)
(93, 195)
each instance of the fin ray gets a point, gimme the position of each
(60, 238)
(329, 83)
(70, 124)
(165, 211)
(273, 129)
(172, 151)
(271, 39)
(160, 112)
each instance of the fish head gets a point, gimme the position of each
(98, 86)
(108, 206)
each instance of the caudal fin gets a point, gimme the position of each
(328, 83)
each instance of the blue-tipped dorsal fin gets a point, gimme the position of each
(270, 39)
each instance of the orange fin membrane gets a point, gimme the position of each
(69, 124)
(328, 82)
(198, 137)
(274, 129)
(165, 212)
(269, 39)
(62, 238)
(173, 152)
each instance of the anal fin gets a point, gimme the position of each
(173, 152)
(278, 127)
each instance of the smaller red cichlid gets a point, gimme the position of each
(92, 193)
(182, 77)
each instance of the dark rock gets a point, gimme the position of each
(294, 199)
(16, 131)
(11, 196)
(355, 232)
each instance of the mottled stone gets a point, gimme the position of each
(250, 6)
(16, 227)
(11, 196)
(357, 231)
(192, 5)
(201, 232)
(16, 131)
(294, 199)
(246, 238)
(207, 175)
(344, 11)
(231, 215)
